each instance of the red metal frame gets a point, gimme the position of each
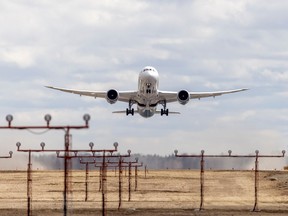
(256, 175)
(66, 129)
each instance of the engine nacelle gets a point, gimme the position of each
(112, 96)
(183, 97)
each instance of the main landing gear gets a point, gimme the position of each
(164, 111)
(130, 110)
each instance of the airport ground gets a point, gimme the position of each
(162, 192)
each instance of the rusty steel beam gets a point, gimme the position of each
(6, 157)
(129, 165)
(87, 163)
(66, 129)
(103, 172)
(124, 164)
(146, 171)
(115, 164)
(29, 173)
(256, 172)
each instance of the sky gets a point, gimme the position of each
(199, 45)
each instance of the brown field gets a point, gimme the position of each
(165, 192)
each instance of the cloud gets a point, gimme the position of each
(195, 45)
(20, 56)
(223, 10)
(276, 76)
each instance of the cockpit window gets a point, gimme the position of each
(148, 69)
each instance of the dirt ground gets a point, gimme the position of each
(162, 192)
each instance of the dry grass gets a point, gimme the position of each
(163, 192)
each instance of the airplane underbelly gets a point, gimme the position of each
(146, 112)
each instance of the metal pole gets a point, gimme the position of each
(120, 182)
(87, 163)
(104, 185)
(86, 182)
(129, 181)
(136, 177)
(66, 170)
(256, 181)
(29, 185)
(100, 178)
(202, 180)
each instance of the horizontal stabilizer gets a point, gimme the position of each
(157, 112)
(119, 112)
(170, 112)
(124, 111)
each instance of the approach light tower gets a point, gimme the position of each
(67, 137)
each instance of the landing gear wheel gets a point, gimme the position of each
(164, 112)
(129, 111)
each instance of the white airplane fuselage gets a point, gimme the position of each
(148, 83)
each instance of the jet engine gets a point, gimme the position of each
(183, 97)
(112, 96)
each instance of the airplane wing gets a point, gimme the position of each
(124, 96)
(169, 96)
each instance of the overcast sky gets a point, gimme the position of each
(195, 45)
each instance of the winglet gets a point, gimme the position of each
(51, 87)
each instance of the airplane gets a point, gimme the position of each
(148, 96)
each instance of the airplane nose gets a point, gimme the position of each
(151, 77)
